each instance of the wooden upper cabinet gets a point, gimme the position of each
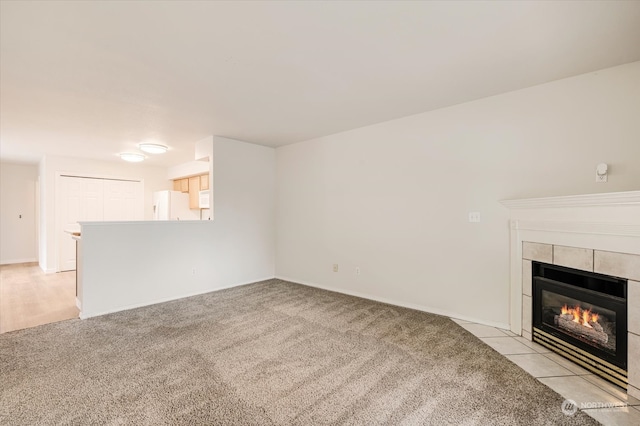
(181, 185)
(204, 182)
(193, 185)
(194, 192)
(184, 185)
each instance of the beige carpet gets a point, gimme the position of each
(267, 353)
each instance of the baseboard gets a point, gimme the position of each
(48, 270)
(84, 315)
(15, 261)
(417, 307)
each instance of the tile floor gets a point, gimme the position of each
(603, 401)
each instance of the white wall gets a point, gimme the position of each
(155, 179)
(139, 263)
(394, 198)
(18, 198)
(191, 168)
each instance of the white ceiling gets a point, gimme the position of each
(92, 79)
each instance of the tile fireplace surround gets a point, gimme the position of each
(597, 233)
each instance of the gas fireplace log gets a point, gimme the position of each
(594, 334)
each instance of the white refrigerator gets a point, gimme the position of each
(173, 205)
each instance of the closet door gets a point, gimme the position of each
(83, 199)
(123, 200)
(80, 199)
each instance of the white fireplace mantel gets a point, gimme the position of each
(608, 222)
(585, 200)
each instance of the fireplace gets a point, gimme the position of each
(582, 316)
(596, 233)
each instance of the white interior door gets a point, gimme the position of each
(92, 201)
(69, 200)
(84, 199)
(79, 199)
(123, 200)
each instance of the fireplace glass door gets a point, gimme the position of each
(582, 316)
(591, 324)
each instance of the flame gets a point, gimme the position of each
(580, 316)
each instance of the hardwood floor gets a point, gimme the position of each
(29, 297)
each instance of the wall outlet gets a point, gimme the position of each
(357, 270)
(474, 217)
(335, 267)
(193, 271)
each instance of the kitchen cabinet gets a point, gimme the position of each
(184, 185)
(194, 192)
(192, 185)
(181, 185)
(204, 182)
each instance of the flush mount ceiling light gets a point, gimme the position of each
(153, 148)
(132, 157)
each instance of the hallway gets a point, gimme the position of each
(29, 297)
